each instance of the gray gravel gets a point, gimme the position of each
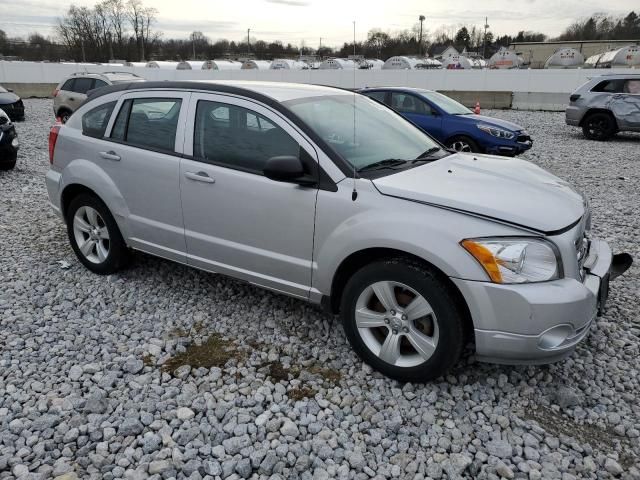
(164, 371)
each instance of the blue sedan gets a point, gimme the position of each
(453, 124)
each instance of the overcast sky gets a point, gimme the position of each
(297, 20)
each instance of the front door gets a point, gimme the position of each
(626, 105)
(419, 112)
(237, 221)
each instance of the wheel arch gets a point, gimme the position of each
(361, 258)
(591, 111)
(72, 191)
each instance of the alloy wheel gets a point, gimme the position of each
(461, 146)
(91, 234)
(397, 324)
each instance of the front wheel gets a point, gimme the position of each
(402, 320)
(95, 236)
(463, 144)
(599, 126)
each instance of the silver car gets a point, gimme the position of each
(606, 105)
(331, 197)
(72, 91)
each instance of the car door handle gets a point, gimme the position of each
(199, 177)
(110, 155)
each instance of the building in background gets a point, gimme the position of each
(535, 54)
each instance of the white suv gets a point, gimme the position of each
(72, 91)
(329, 196)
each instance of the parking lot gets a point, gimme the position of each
(167, 371)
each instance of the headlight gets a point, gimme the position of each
(514, 260)
(496, 132)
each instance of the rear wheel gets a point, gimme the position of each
(599, 126)
(95, 236)
(64, 115)
(10, 163)
(463, 144)
(402, 320)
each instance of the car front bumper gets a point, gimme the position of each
(541, 322)
(507, 147)
(9, 144)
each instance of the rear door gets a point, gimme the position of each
(237, 221)
(626, 105)
(80, 87)
(142, 156)
(419, 112)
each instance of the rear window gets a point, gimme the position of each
(609, 86)
(68, 85)
(94, 122)
(379, 96)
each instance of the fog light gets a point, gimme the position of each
(554, 337)
(15, 143)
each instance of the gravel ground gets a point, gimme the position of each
(165, 371)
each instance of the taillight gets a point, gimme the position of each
(53, 138)
(574, 97)
(55, 93)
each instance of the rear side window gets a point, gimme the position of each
(238, 138)
(68, 85)
(632, 86)
(99, 83)
(94, 122)
(83, 85)
(148, 123)
(609, 86)
(379, 96)
(405, 103)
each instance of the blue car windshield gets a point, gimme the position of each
(449, 105)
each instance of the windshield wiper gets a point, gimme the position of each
(387, 163)
(428, 153)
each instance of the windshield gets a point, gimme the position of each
(449, 105)
(373, 134)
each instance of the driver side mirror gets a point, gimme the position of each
(10, 90)
(288, 168)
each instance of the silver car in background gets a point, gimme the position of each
(606, 105)
(72, 91)
(331, 197)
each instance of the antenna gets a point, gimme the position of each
(354, 194)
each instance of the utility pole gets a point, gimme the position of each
(193, 41)
(248, 42)
(84, 57)
(484, 45)
(422, 18)
(354, 40)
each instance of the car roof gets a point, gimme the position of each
(614, 76)
(400, 89)
(278, 91)
(112, 76)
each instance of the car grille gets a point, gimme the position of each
(523, 138)
(14, 109)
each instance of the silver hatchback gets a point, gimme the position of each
(329, 196)
(606, 105)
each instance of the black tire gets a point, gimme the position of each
(423, 280)
(599, 126)
(64, 115)
(463, 139)
(118, 255)
(8, 165)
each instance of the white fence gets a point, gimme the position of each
(524, 89)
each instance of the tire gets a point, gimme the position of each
(435, 322)
(599, 126)
(463, 144)
(105, 251)
(64, 115)
(8, 165)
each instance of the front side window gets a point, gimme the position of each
(94, 122)
(406, 103)
(360, 130)
(238, 138)
(148, 123)
(83, 85)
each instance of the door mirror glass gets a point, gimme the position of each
(287, 168)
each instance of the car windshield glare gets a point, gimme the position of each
(361, 130)
(447, 104)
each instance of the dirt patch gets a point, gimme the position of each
(300, 393)
(331, 375)
(147, 360)
(599, 438)
(215, 351)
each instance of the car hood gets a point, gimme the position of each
(8, 97)
(505, 189)
(494, 122)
